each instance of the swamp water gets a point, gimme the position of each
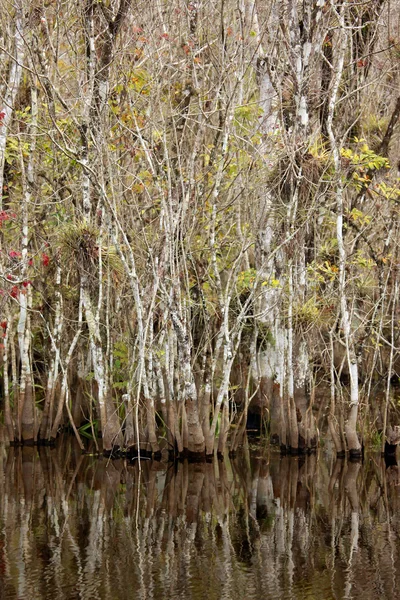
(255, 527)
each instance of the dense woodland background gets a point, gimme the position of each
(199, 222)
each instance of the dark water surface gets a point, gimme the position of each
(258, 527)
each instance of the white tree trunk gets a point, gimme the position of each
(12, 88)
(353, 443)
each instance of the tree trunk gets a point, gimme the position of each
(353, 443)
(28, 416)
(224, 428)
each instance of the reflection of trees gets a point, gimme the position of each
(255, 527)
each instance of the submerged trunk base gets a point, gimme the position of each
(132, 454)
(51, 442)
(192, 456)
(24, 442)
(356, 454)
(115, 451)
(302, 449)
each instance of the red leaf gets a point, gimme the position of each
(45, 260)
(3, 324)
(14, 291)
(3, 217)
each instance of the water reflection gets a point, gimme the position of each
(257, 527)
